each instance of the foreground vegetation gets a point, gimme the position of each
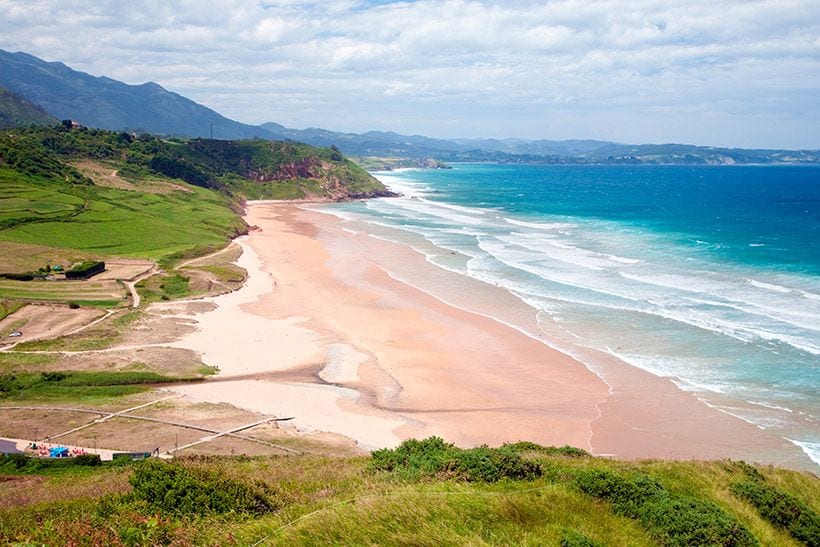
(424, 492)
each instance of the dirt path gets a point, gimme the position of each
(131, 285)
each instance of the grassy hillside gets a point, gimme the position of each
(102, 193)
(423, 493)
(96, 221)
(16, 111)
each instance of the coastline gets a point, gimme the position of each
(329, 329)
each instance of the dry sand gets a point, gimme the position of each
(321, 332)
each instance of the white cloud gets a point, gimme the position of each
(632, 70)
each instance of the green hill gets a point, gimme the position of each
(16, 111)
(422, 493)
(116, 194)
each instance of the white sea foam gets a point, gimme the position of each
(810, 296)
(548, 226)
(810, 448)
(768, 286)
(771, 406)
(624, 260)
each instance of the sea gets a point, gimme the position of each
(707, 275)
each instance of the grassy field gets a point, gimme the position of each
(338, 500)
(107, 293)
(92, 387)
(112, 222)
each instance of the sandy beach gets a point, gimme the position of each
(325, 332)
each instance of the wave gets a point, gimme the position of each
(769, 286)
(810, 448)
(771, 406)
(547, 226)
(760, 323)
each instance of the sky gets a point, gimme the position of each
(741, 73)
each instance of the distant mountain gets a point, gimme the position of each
(16, 111)
(394, 145)
(108, 104)
(372, 143)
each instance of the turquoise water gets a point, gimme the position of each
(706, 275)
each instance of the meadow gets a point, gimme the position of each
(99, 221)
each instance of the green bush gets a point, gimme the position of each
(675, 519)
(55, 376)
(571, 538)
(24, 276)
(781, 510)
(23, 464)
(434, 457)
(566, 450)
(175, 488)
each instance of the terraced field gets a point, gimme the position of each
(22, 203)
(105, 293)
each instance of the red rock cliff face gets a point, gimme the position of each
(306, 168)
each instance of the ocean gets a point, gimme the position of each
(707, 275)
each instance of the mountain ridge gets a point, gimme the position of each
(16, 110)
(105, 103)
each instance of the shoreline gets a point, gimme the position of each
(391, 360)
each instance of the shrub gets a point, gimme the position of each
(432, 456)
(21, 463)
(53, 376)
(174, 488)
(566, 450)
(675, 519)
(8, 382)
(88, 460)
(571, 538)
(781, 510)
(24, 276)
(178, 168)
